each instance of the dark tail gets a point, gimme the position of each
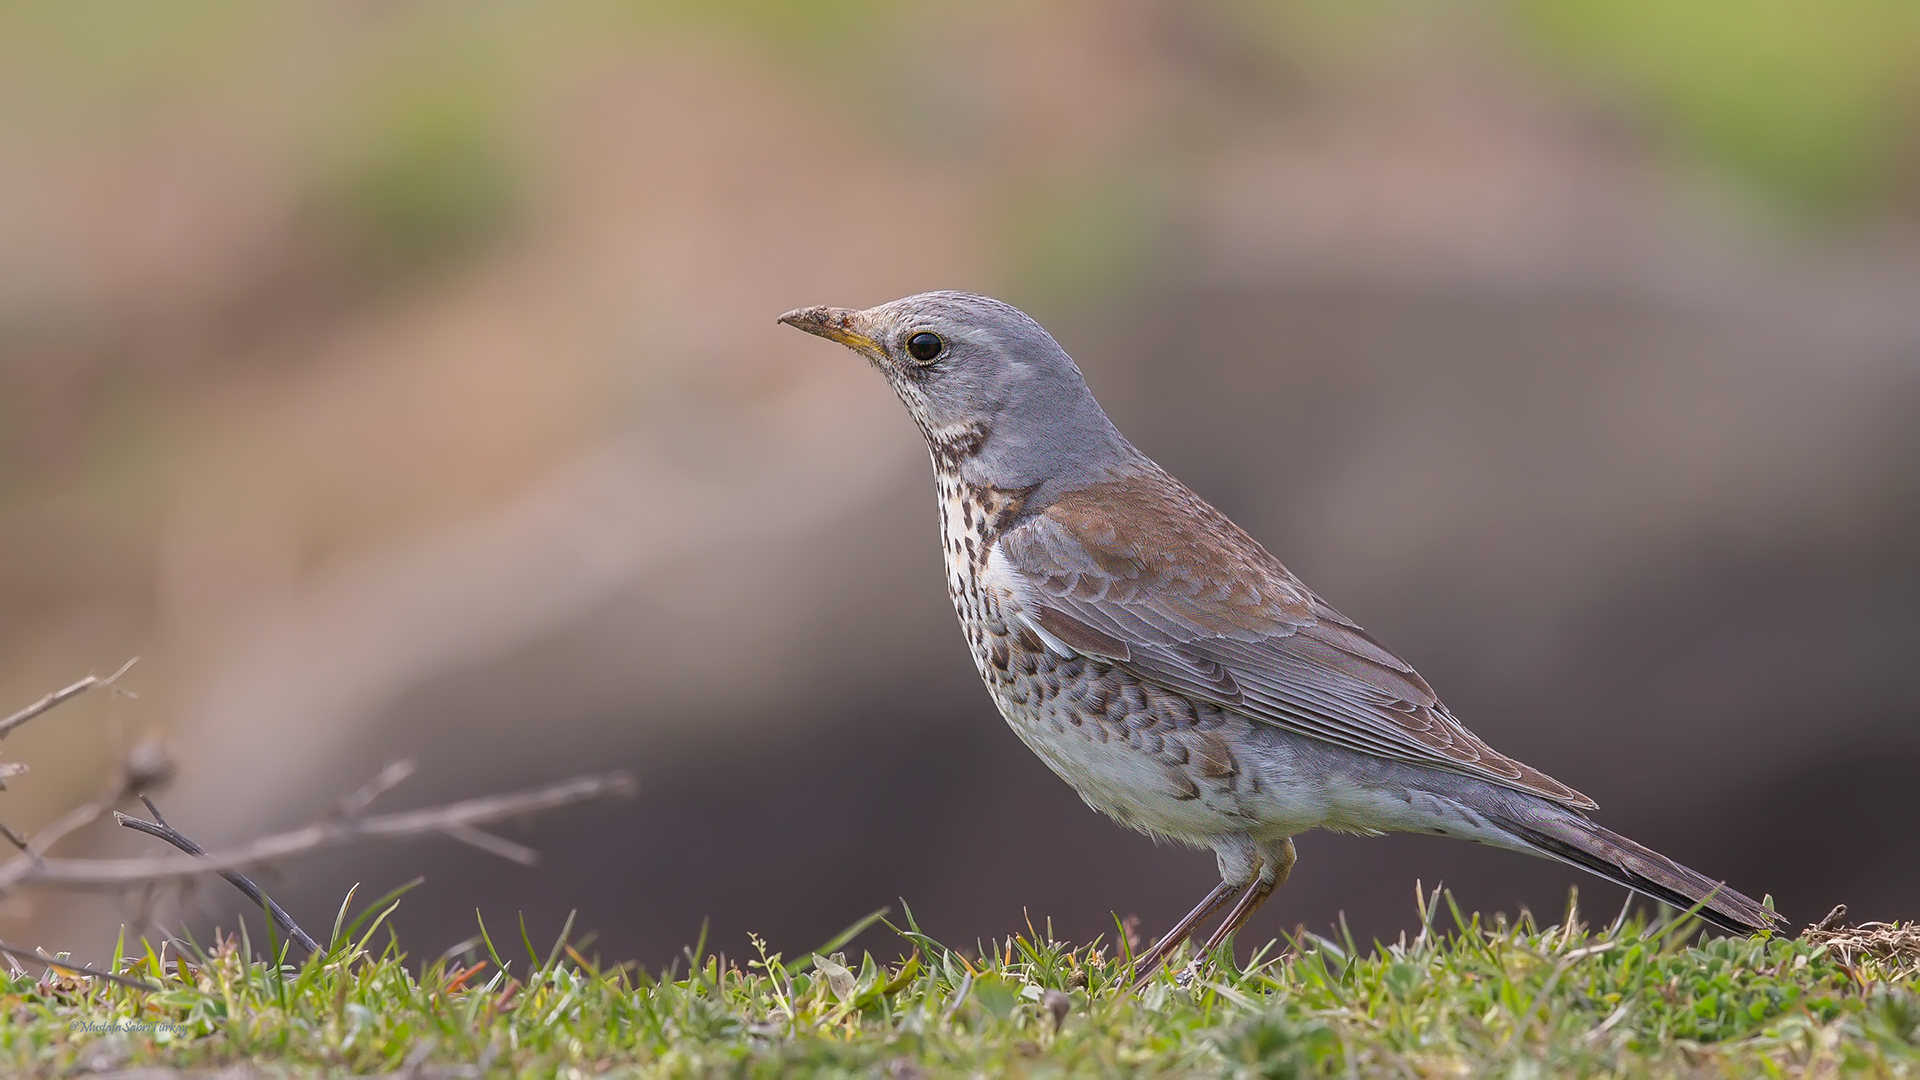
(1569, 837)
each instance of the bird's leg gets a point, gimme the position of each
(1250, 901)
(1147, 964)
(1273, 875)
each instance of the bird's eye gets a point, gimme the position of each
(924, 346)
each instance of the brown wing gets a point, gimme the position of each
(1145, 573)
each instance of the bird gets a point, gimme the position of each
(1166, 666)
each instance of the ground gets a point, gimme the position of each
(1465, 995)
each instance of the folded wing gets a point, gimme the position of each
(1144, 573)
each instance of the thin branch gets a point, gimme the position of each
(494, 845)
(384, 781)
(58, 696)
(158, 827)
(115, 873)
(26, 954)
(59, 828)
(33, 852)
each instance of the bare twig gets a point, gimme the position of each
(33, 851)
(159, 827)
(63, 965)
(494, 845)
(58, 696)
(59, 828)
(458, 821)
(394, 772)
(117, 873)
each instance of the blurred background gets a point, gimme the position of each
(401, 380)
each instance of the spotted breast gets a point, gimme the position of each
(1152, 760)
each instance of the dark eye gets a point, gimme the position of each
(924, 346)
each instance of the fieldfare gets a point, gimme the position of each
(1163, 663)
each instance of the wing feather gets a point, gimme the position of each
(1143, 573)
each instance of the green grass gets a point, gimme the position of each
(1463, 995)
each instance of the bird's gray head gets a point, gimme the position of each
(996, 397)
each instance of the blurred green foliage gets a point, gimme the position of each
(424, 182)
(1063, 242)
(59, 61)
(1817, 104)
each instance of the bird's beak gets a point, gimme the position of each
(850, 328)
